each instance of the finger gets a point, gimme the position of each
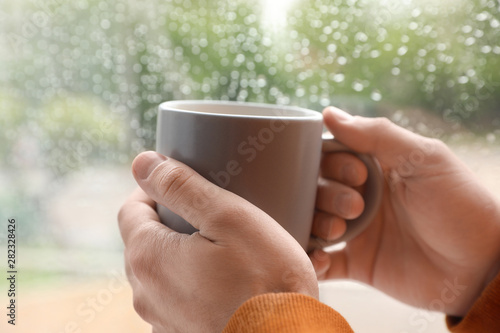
(189, 195)
(138, 213)
(344, 167)
(329, 265)
(376, 136)
(327, 226)
(174, 185)
(337, 199)
(132, 279)
(141, 305)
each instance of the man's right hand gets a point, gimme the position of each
(435, 242)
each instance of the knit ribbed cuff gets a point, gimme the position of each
(286, 312)
(484, 316)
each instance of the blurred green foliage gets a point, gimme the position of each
(76, 130)
(11, 119)
(81, 80)
(443, 56)
(440, 55)
(227, 53)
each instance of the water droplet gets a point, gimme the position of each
(466, 29)
(300, 92)
(469, 41)
(357, 86)
(105, 24)
(339, 77)
(376, 96)
(402, 50)
(486, 49)
(374, 53)
(482, 16)
(331, 48)
(463, 79)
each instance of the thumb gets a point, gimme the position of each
(178, 187)
(378, 137)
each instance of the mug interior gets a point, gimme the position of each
(240, 109)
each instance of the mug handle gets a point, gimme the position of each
(374, 188)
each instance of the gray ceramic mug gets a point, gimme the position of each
(267, 154)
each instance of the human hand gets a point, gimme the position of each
(435, 241)
(194, 283)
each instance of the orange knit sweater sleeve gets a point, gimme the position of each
(296, 313)
(484, 316)
(286, 312)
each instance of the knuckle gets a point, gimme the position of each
(122, 213)
(144, 252)
(173, 181)
(436, 144)
(227, 216)
(435, 148)
(234, 212)
(382, 123)
(140, 260)
(140, 307)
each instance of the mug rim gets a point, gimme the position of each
(305, 114)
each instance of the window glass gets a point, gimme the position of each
(80, 82)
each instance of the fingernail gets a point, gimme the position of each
(326, 229)
(339, 114)
(146, 162)
(349, 173)
(344, 204)
(320, 255)
(320, 262)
